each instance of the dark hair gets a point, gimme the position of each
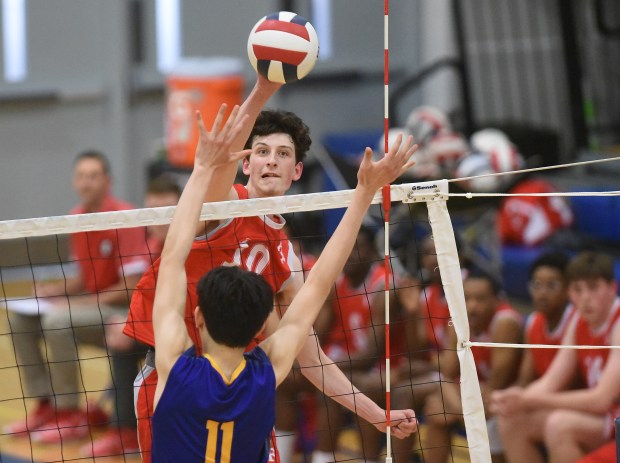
(162, 185)
(235, 303)
(590, 265)
(476, 273)
(277, 121)
(554, 259)
(94, 154)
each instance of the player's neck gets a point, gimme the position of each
(226, 358)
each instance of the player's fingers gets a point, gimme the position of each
(406, 167)
(201, 124)
(236, 156)
(407, 150)
(367, 159)
(411, 151)
(218, 119)
(230, 122)
(238, 127)
(396, 145)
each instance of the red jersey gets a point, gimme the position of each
(436, 315)
(257, 244)
(537, 332)
(592, 361)
(353, 320)
(482, 355)
(529, 220)
(104, 257)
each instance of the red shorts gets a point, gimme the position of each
(144, 393)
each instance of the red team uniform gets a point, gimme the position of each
(105, 256)
(352, 327)
(436, 315)
(592, 361)
(482, 355)
(537, 332)
(254, 243)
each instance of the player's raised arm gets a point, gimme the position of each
(171, 290)
(284, 345)
(261, 93)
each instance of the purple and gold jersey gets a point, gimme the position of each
(204, 417)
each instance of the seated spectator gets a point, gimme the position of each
(490, 320)
(571, 423)
(110, 264)
(552, 314)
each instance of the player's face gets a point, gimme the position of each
(548, 290)
(481, 303)
(90, 182)
(593, 299)
(271, 167)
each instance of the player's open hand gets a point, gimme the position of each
(373, 175)
(403, 423)
(213, 148)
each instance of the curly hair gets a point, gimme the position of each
(277, 121)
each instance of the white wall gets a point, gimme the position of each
(82, 91)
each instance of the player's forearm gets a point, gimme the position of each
(582, 400)
(182, 231)
(332, 382)
(251, 107)
(262, 91)
(340, 245)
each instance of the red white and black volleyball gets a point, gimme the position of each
(283, 47)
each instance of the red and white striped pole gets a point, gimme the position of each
(387, 204)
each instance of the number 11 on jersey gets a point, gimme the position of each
(213, 429)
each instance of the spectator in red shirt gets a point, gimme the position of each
(109, 265)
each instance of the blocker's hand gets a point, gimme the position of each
(373, 175)
(213, 148)
(403, 423)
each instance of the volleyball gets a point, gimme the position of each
(283, 47)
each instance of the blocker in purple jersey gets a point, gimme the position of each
(283, 47)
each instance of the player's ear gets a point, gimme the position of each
(246, 165)
(199, 319)
(299, 168)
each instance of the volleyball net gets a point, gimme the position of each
(416, 326)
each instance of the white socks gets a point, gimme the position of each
(322, 457)
(286, 445)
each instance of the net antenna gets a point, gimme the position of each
(387, 205)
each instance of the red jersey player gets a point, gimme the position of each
(490, 320)
(571, 423)
(278, 142)
(551, 317)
